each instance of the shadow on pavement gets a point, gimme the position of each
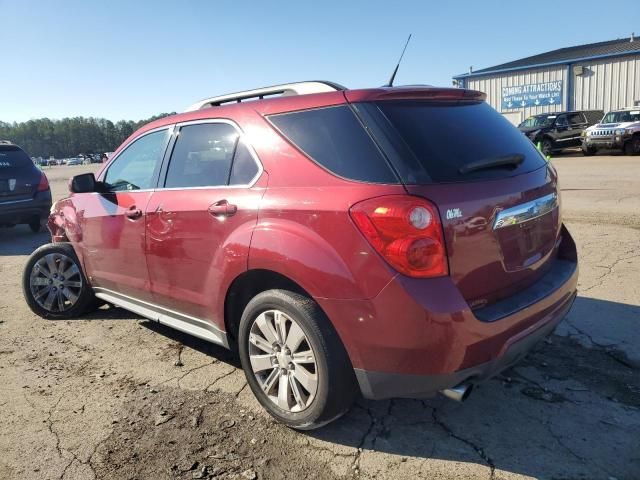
(20, 240)
(207, 348)
(577, 152)
(565, 411)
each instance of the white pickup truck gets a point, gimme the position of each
(618, 130)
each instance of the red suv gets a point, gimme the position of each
(397, 242)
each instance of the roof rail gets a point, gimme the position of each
(287, 89)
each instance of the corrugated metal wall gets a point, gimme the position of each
(492, 86)
(607, 84)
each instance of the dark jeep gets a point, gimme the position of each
(556, 131)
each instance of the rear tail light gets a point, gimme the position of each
(43, 186)
(406, 231)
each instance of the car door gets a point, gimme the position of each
(561, 134)
(113, 221)
(199, 224)
(577, 123)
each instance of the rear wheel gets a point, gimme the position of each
(35, 225)
(294, 361)
(54, 285)
(632, 147)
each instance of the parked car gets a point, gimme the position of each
(556, 131)
(316, 233)
(25, 197)
(619, 130)
(75, 161)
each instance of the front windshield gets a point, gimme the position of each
(538, 121)
(619, 117)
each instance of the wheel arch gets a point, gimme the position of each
(546, 136)
(246, 286)
(635, 136)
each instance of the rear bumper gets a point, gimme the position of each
(380, 385)
(419, 336)
(23, 211)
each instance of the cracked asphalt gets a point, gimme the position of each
(114, 396)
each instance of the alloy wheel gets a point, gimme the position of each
(283, 361)
(55, 282)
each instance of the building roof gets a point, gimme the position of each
(566, 55)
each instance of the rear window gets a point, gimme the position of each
(594, 116)
(334, 138)
(14, 157)
(438, 139)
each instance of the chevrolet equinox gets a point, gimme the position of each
(396, 242)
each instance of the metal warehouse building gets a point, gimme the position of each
(598, 76)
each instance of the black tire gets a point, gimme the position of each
(85, 299)
(588, 151)
(35, 225)
(632, 146)
(547, 147)
(336, 383)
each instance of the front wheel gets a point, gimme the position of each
(547, 147)
(294, 361)
(588, 151)
(54, 285)
(632, 147)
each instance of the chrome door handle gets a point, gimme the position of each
(222, 209)
(133, 213)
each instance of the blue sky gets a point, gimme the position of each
(132, 59)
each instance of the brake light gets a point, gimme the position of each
(406, 231)
(43, 186)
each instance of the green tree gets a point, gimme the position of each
(70, 136)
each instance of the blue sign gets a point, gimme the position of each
(532, 95)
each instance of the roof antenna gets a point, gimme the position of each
(393, 75)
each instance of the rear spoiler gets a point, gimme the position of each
(415, 93)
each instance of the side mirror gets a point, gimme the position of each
(83, 183)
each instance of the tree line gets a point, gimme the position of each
(70, 136)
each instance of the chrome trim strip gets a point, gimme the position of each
(526, 211)
(16, 201)
(179, 321)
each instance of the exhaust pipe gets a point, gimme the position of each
(458, 393)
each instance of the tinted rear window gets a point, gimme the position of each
(442, 138)
(14, 157)
(334, 138)
(594, 116)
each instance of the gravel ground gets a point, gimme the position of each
(117, 397)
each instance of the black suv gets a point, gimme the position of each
(25, 196)
(555, 131)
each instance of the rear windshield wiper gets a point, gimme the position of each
(511, 160)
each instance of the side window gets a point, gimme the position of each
(244, 166)
(334, 138)
(202, 156)
(136, 167)
(562, 121)
(576, 119)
